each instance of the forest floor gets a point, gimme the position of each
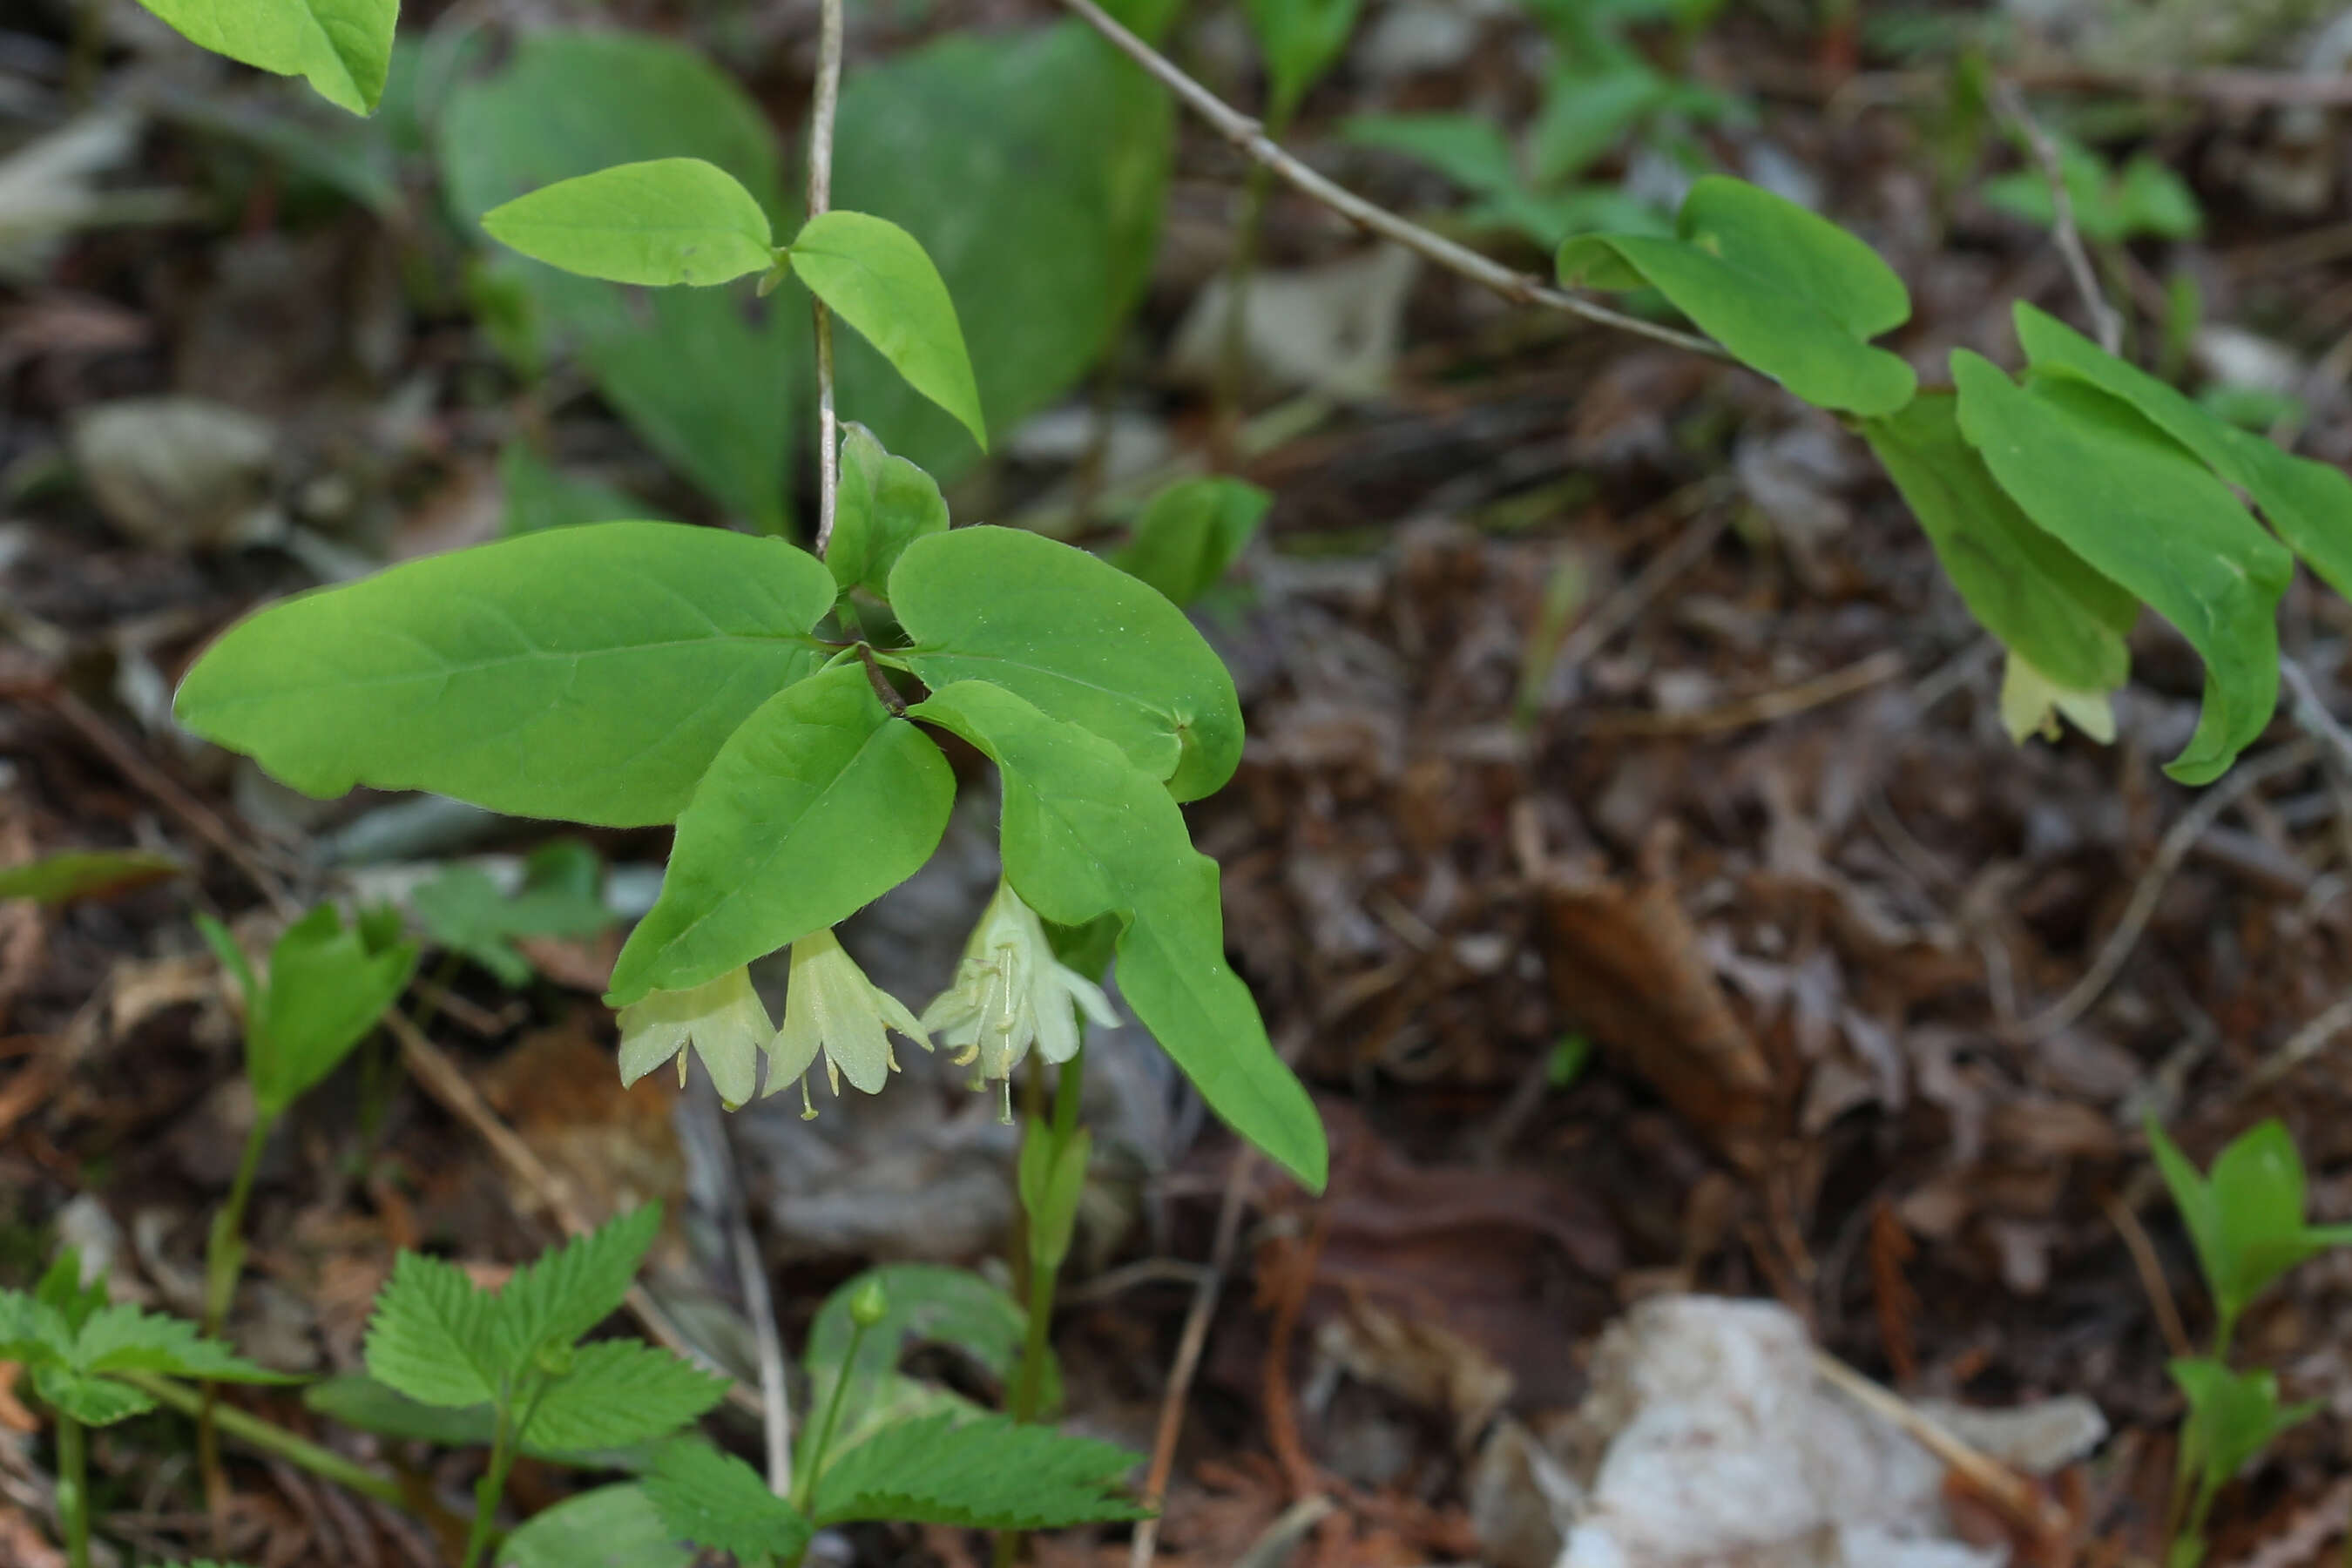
(1628, 852)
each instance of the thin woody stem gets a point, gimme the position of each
(1250, 137)
(820, 200)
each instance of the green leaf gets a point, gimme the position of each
(1787, 292)
(1085, 833)
(708, 378)
(124, 1337)
(2143, 512)
(63, 1290)
(1048, 135)
(2022, 586)
(343, 46)
(359, 1401)
(567, 1291)
(539, 496)
(32, 1332)
(1587, 111)
(2246, 1216)
(433, 1335)
(327, 988)
(86, 874)
(462, 674)
(1467, 150)
(821, 803)
(928, 1304)
(665, 222)
(612, 1527)
(1301, 40)
(1191, 532)
(463, 909)
(620, 1392)
(886, 504)
(2232, 1416)
(986, 1474)
(2309, 504)
(722, 1504)
(875, 276)
(93, 1401)
(1078, 638)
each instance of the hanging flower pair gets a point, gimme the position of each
(1010, 992)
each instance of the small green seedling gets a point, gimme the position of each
(2143, 199)
(2232, 1418)
(87, 1360)
(2245, 1218)
(328, 984)
(444, 1341)
(463, 910)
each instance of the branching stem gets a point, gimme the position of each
(822, 115)
(1250, 137)
(273, 1439)
(1029, 1382)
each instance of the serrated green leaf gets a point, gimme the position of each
(64, 1291)
(326, 990)
(86, 874)
(32, 1332)
(722, 1504)
(1086, 833)
(2309, 504)
(1048, 134)
(663, 222)
(1191, 532)
(361, 1402)
(620, 1392)
(926, 1304)
(1301, 40)
(432, 1336)
(989, 1474)
(2142, 511)
(564, 1293)
(1078, 638)
(707, 377)
(1787, 292)
(2036, 595)
(462, 674)
(875, 276)
(819, 803)
(887, 503)
(124, 1337)
(343, 46)
(612, 1527)
(94, 1401)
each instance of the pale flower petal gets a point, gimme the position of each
(723, 1020)
(1010, 993)
(833, 1008)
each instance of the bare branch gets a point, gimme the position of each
(1250, 137)
(822, 115)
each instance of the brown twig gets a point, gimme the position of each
(2151, 1274)
(1250, 137)
(200, 818)
(2006, 1489)
(1762, 708)
(1189, 1346)
(822, 116)
(2106, 324)
(2174, 848)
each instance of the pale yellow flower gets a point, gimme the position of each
(724, 1021)
(1011, 991)
(832, 1006)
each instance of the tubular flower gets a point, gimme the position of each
(1009, 991)
(723, 1019)
(831, 1006)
